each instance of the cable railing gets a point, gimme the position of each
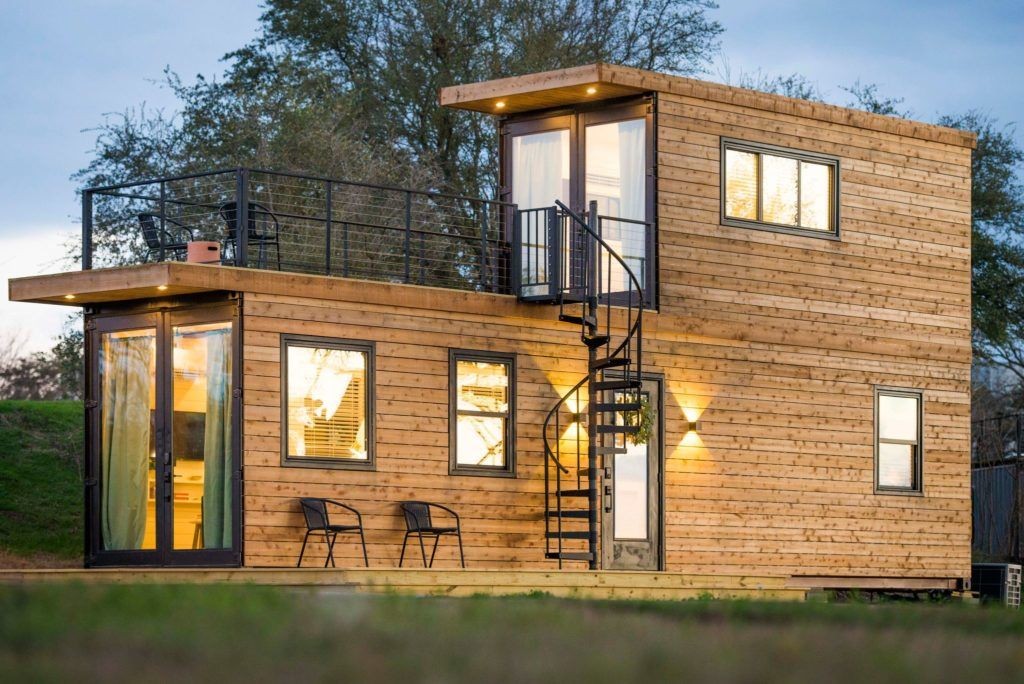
(302, 224)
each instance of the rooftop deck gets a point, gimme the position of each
(302, 224)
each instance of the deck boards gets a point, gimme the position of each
(446, 582)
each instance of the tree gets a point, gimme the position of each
(997, 221)
(54, 374)
(349, 87)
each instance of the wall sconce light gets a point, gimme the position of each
(692, 426)
(577, 417)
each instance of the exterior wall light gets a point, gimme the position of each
(692, 426)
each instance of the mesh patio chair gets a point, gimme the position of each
(318, 521)
(174, 236)
(264, 230)
(419, 521)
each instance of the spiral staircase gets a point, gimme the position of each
(595, 290)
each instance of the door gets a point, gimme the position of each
(163, 453)
(602, 155)
(631, 522)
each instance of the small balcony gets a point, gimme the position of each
(301, 224)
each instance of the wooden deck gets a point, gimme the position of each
(566, 583)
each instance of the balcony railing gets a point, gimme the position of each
(549, 258)
(302, 224)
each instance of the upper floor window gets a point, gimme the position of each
(482, 399)
(778, 189)
(327, 412)
(898, 450)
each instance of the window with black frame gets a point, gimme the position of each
(898, 452)
(774, 188)
(482, 400)
(327, 403)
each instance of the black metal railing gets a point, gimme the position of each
(591, 279)
(304, 224)
(542, 264)
(996, 470)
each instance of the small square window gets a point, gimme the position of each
(898, 419)
(482, 401)
(327, 418)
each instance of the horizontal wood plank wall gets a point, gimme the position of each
(778, 339)
(796, 332)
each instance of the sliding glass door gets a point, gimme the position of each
(163, 485)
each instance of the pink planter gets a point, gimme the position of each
(203, 252)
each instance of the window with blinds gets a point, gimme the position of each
(480, 414)
(774, 188)
(327, 403)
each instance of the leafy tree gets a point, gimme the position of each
(348, 88)
(997, 219)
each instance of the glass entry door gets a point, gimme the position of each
(631, 521)
(602, 155)
(163, 475)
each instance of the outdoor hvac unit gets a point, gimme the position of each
(997, 582)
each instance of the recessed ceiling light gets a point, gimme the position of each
(500, 104)
(161, 287)
(69, 296)
(591, 90)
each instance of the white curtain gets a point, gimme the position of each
(537, 173)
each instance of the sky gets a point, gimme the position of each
(66, 64)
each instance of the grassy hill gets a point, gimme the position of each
(41, 448)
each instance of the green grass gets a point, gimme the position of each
(40, 480)
(243, 633)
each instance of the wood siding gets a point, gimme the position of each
(778, 339)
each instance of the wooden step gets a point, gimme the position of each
(609, 450)
(573, 492)
(570, 555)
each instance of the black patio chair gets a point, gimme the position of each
(418, 521)
(174, 232)
(318, 521)
(264, 230)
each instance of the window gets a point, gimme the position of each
(777, 189)
(482, 400)
(898, 450)
(327, 406)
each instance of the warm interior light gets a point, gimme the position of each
(591, 90)
(500, 104)
(161, 287)
(69, 296)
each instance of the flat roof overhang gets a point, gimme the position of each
(565, 87)
(589, 83)
(169, 279)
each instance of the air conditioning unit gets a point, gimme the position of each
(997, 582)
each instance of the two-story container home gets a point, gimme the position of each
(702, 330)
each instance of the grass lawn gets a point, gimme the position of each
(40, 483)
(244, 633)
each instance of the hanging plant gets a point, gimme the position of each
(643, 420)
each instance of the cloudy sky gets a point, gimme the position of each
(65, 64)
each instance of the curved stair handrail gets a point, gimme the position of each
(626, 355)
